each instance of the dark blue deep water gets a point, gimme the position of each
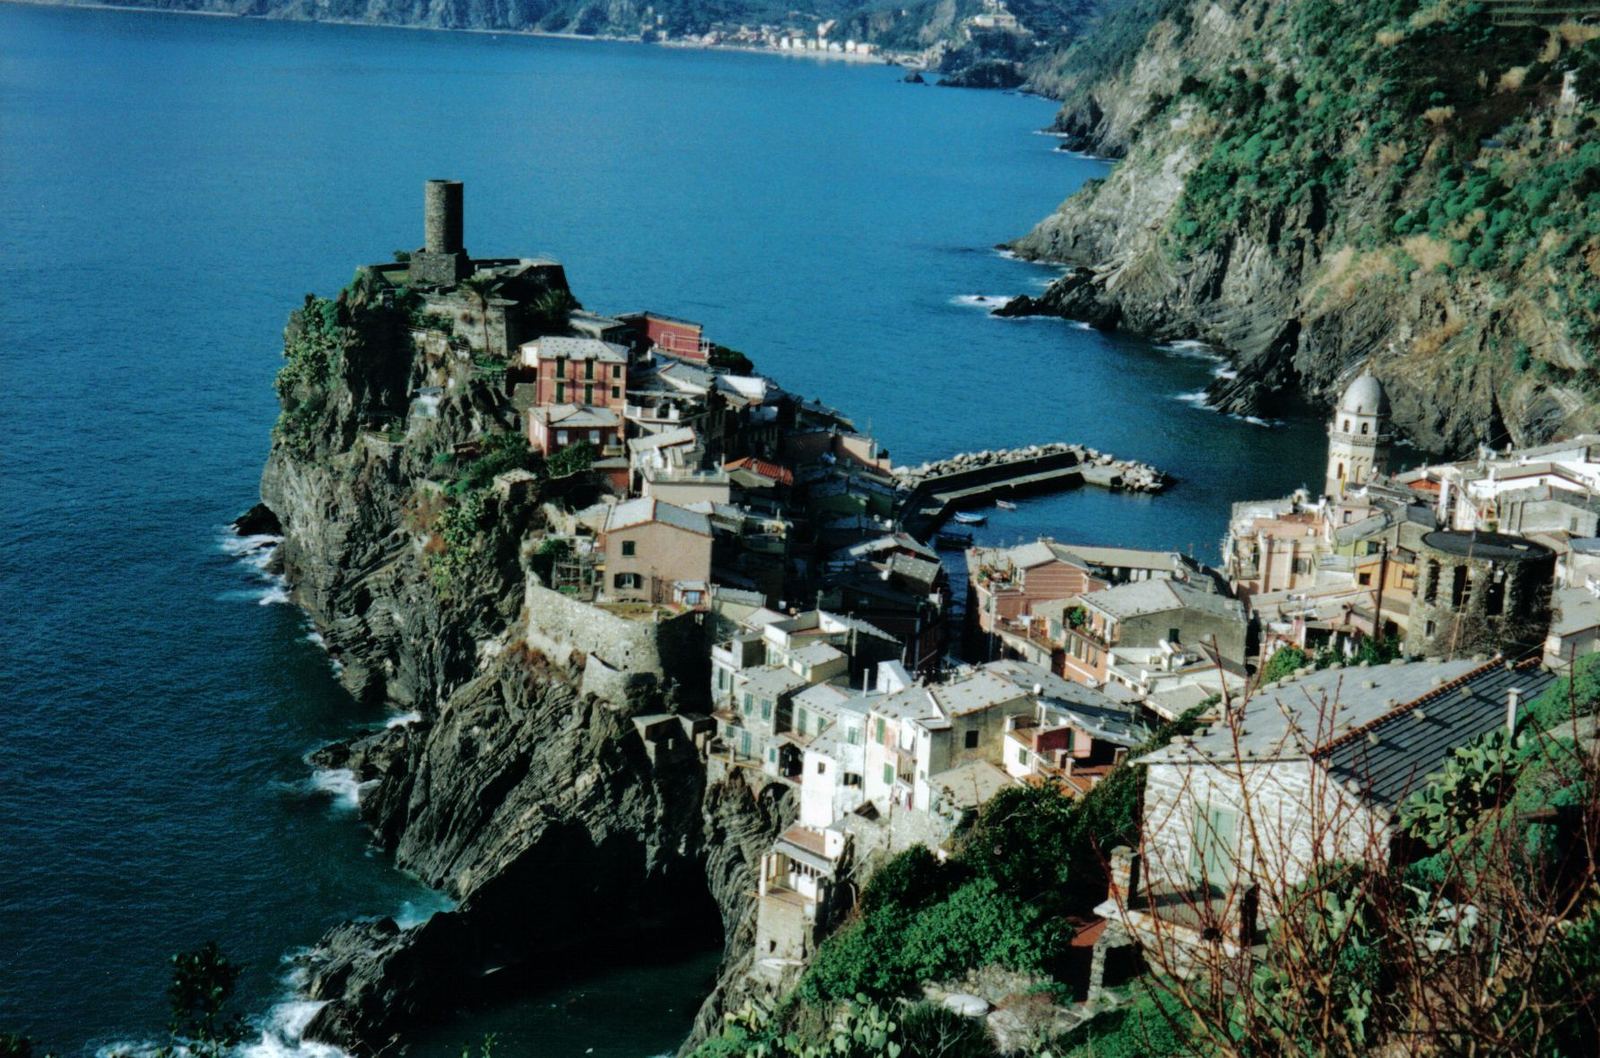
(171, 186)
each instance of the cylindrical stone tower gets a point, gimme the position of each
(442, 216)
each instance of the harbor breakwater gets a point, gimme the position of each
(938, 489)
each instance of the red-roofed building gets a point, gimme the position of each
(772, 471)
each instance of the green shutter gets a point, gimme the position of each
(888, 775)
(1211, 854)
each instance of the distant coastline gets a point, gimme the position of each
(857, 58)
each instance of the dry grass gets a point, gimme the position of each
(1552, 48)
(1388, 38)
(1437, 116)
(1512, 79)
(1575, 33)
(1431, 14)
(1427, 251)
(1431, 342)
(1345, 273)
(1390, 153)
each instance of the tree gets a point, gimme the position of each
(203, 981)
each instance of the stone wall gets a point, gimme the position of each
(620, 656)
(1289, 818)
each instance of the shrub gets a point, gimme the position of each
(909, 881)
(977, 926)
(498, 453)
(1284, 662)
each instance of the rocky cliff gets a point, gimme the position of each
(1309, 184)
(537, 807)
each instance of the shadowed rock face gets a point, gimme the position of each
(534, 806)
(540, 812)
(1302, 293)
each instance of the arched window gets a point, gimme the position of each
(1341, 471)
(1347, 426)
(1364, 427)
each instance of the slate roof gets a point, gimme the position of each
(643, 510)
(772, 680)
(1381, 730)
(1159, 595)
(970, 784)
(665, 439)
(982, 690)
(576, 416)
(1092, 710)
(831, 699)
(816, 654)
(1390, 758)
(552, 347)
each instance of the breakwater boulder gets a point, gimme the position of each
(1126, 474)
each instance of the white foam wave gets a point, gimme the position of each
(403, 719)
(276, 592)
(1192, 350)
(1199, 399)
(255, 552)
(234, 544)
(283, 1034)
(340, 784)
(416, 912)
(315, 639)
(980, 301)
(1224, 371)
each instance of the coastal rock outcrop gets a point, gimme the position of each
(1310, 185)
(535, 806)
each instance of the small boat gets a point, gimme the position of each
(970, 519)
(953, 541)
(1005, 505)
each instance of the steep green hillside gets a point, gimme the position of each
(1311, 183)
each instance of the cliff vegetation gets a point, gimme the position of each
(405, 491)
(1309, 184)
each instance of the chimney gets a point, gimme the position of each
(1513, 699)
(1124, 876)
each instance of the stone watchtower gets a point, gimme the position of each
(442, 262)
(1480, 591)
(1358, 436)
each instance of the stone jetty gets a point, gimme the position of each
(1098, 467)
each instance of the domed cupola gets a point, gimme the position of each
(1365, 396)
(1358, 435)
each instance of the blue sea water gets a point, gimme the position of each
(171, 186)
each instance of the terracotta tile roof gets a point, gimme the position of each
(782, 475)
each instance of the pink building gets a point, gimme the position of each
(582, 371)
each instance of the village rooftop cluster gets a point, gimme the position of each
(753, 559)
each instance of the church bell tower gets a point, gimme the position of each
(1358, 436)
